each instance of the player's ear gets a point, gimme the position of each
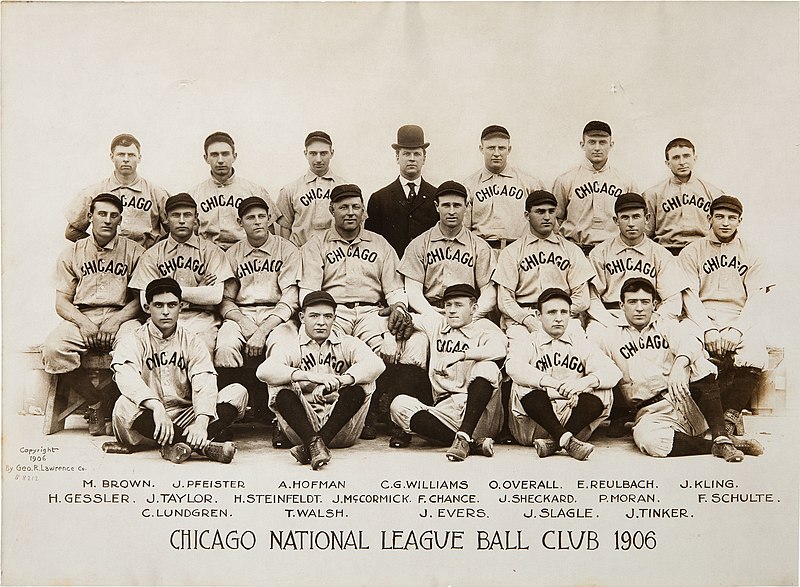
(331, 151)
(184, 305)
(611, 143)
(510, 147)
(146, 307)
(480, 147)
(235, 155)
(238, 221)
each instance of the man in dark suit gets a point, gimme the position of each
(404, 209)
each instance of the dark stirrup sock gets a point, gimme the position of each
(587, 411)
(705, 393)
(538, 406)
(429, 426)
(291, 409)
(684, 445)
(479, 393)
(226, 415)
(351, 398)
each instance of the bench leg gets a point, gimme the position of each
(59, 407)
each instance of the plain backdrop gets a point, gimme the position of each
(74, 75)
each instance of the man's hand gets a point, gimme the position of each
(208, 279)
(105, 335)
(678, 387)
(197, 432)
(730, 339)
(89, 332)
(164, 432)
(389, 350)
(255, 344)
(713, 342)
(447, 360)
(572, 388)
(399, 323)
(248, 327)
(328, 380)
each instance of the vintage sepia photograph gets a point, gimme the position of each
(400, 293)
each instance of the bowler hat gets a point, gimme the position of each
(410, 136)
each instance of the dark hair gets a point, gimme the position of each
(635, 284)
(679, 142)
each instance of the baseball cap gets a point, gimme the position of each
(628, 201)
(495, 129)
(251, 202)
(451, 187)
(552, 293)
(728, 203)
(345, 190)
(107, 197)
(318, 135)
(539, 197)
(218, 137)
(460, 290)
(594, 127)
(162, 285)
(125, 140)
(318, 297)
(182, 199)
(638, 283)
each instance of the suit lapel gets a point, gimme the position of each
(425, 191)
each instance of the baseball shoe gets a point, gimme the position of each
(734, 423)
(300, 454)
(725, 449)
(96, 416)
(578, 449)
(368, 432)
(176, 453)
(118, 448)
(320, 455)
(505, 437)
(222, 452)
(459, 450)
(482, 446)
(546, 447)
(279, 438)
(400, 438)
(748, 446)
(617, 428)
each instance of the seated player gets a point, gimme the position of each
(666, 377)
(93, 299)
(198, 265)
(729, 278)
(465, 379)
(169, 387)
(320, 383)
(263, 294)
(562, 383)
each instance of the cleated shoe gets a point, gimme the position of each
(300, 454)
(482, 446)
(176, 453)
(368, 432)
(459, 450)
(726, 450)
(617, 429)
(578, 449)
(279, 438)
(320, 455)
(749, 446)
(222, 452)
(118, 448)
(96, 416)
(545, 447)
(400, 438)
(734, 423)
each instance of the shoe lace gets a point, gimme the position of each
(314, 449)
(93, 415)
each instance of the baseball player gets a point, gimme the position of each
(197, 264)
(667, 381)
(497, 192)
(302, 206)
(404, 209)
(562, 383)
(320, 383)
(679, 206)
(586, 194)
(219, 196)
(142, 200)
(169, 387)
(359, 269)
(729, 278)
(263, 294)
(464, 376)
(540, 260)
(448, 253)
(94, 300)
(632, 254)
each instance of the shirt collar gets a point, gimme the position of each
(333, 235)
(333, 338)
(588, 165)
(437, 235)
(153, 330)
(675, 181)
(486, 175)
(109, 246)
(311, 177)
(265, 248)
(531, 238)
(194, 241)
(227, 182)
(114, 184)
(718, 243)
(466, 329)
(618, 246)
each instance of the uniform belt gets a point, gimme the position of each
(649, 402)
(256, 305)
(612, 305)
(352, 305)
(83, 307)
(675, 250)
(499, 243)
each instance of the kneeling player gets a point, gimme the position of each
(320, 383)
(465, 379)
(664, 372)
(562, 383)
(169, 387)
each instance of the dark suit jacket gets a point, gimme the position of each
(391, 215)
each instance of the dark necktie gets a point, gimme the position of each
(412, 192)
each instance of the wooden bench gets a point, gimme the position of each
(63, 402)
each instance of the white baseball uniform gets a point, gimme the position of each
(679, 211)
(302, 206)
